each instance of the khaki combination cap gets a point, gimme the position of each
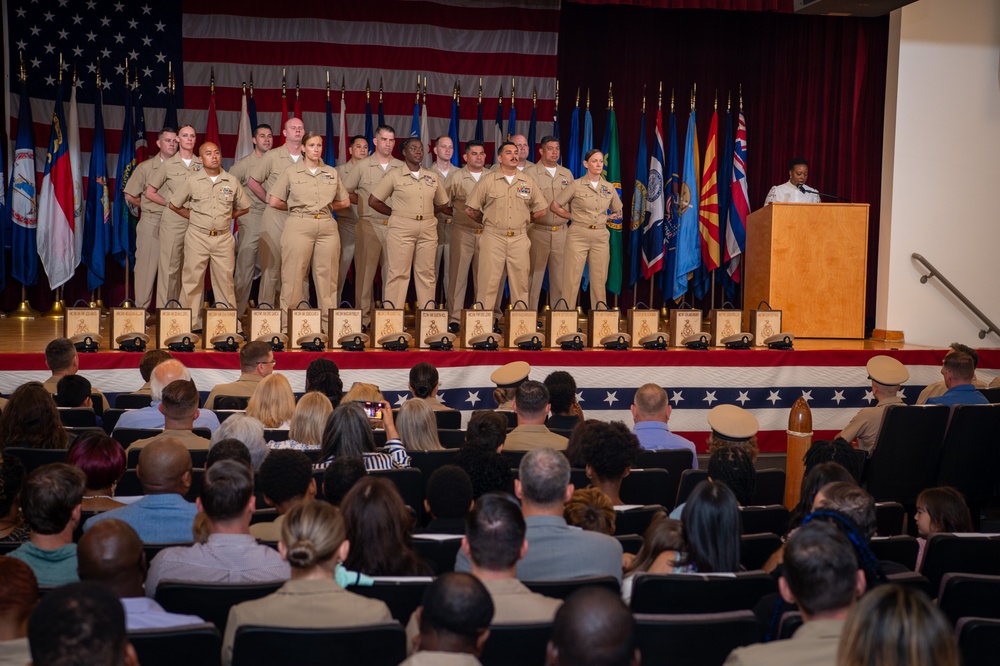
(732, 422)
(887, 371)
(511, 375)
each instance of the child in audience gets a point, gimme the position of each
(661, 551)
(940, 510)
(590, 509)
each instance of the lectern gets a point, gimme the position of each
(809, 261)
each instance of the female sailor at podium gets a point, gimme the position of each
(794, 191)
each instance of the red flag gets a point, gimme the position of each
(212, 130)
(708, 204)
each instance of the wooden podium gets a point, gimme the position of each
(809, 261)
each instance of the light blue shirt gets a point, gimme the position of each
(656, 436)
(166, 518)
(150, 417)
(963, 394)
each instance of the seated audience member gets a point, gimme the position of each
(308, 421)
(887, 375)
(314, 543)
(651, 411)
(661, 551)
(940, 510)
(607, 452)
(73, 392)
(18, 597)
(417, 427)
(448, 499)
(508, 378)
(424, 384)
(488, 470)
(379, 527)
(340, 476)
(852, 510)
(362, 392)
(959, 371)
(939, 388)
(229, 449)
(31, 420)
(348, 433)
(111, 554)
(897, 625)
(273, 403)
(103, 461)
(51, 502)
(566, 411)
(179, 406)
(151, 417)
(732, 466)
(12, 526)
(256, 363)
(162, 515)
(286, 481)
(531, 404)
(711, 528)
(63, 360)
(821, 575)
(454, 619)
(557, 551)
(733, 426)
(323, 376)
(593, 628)
(82, 624)
(150, 359)
(837, 450)
(591, 510)
(248, 430)
(231, 554)
(486, 429)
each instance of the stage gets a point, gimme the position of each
(829, 374)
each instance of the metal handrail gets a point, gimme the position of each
(990, 326)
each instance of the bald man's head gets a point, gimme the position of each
(163, 374)
(593, 628)
(111, 553)
(164, 467)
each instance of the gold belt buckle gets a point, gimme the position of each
(385, 222)
(553, 228)
(213, 232)
(510, 232)
(418, 217)
(317, 216)
(593, 226)
(478, 231)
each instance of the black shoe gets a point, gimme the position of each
(364, 328)
(496, 327)
(453, 327)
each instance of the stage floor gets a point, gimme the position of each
(829, 374)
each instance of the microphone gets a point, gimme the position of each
(807, 190)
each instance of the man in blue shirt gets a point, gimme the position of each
(651, 411)
(958, 370)
(152, 417)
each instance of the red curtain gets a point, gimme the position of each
(741, 5)
(812, 87)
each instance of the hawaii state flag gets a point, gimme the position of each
(739, 205)
(56, 236)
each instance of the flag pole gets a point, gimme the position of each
(135, 80)
(95, 294)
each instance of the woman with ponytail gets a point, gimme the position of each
(314, 542)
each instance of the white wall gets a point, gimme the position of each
(941, 171)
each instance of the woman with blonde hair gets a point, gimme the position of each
(418, 427)
(314, 543)
(308, 423)
(362, 392)
(272, 402)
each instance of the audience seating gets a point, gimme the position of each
(451, 439)
(401, 594)
(428, 461)
(231, 402)
(561, 589)
(648, 486)
(128, 436)
(675, 461)
(970, 595)
(210, 601)
(133, 400)
(635, 521)
(34, 458)
(522, 644)
(513, 458)
(770, 487)
(198, 456)
(694, 640)
(7, 546)
(970, 457)
(223, 414)
(902, 549)
(948, 553)
(699, 593)
(631, 543)
(152, 549)
(97, 400)
(689, 479)
(992, 394)
(788, 624)
(376, 644)
(978, 640)
(78, 431)
(448, 419)
(78, 417)
(439, 554)
(756, 549)
(110, 419)
(275, 434)
(772, 518)
(263, 516)
(905, 459)
(511, 419)
(890, 519)
(196, 645)
(410, 484)
(912, 579)
(380, 438)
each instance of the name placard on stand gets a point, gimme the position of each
(600, 324)
(81, 321)
(217, 321)
(724, 323)
(125, 321)
(344, 321)
(764, 324)
(430, 323)
(171, 322)
(475, 323)
(302, 323)
(641, 323)
(683, 324)
(264, 322)
(557, 324)
(519, 322)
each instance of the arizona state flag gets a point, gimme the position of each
(708, 204)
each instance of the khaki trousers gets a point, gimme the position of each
(147, 255)
(411, 244)
(585, 246)
(548, 249)
(200, 251)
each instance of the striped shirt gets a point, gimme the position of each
(390, 456)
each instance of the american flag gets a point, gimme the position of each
(392, 40)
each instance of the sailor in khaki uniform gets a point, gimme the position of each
(548, 235)
(506, 201)
(523, 152)
(162, 184)
(262, 179)
(147, 231)
(443, 150)
(466, 232)
(251, 223)
(214, 198)
(887, 374)
(586, 201)
(372, 229)
(309, 191)
(417, 196)
(347, 218)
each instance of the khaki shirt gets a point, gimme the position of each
(349, 214)
(362, 181)
(866, 424)
(211, 204)
(242, 387)
(531, 437)
(136, 185)
(191, 441)
(412, 197)
(443, 178)
(308, 193)
(551, 187)
(171, 174)
(507, 206)
(458, 186)
(242, 170)
(267, 170)
(588, 205)
(528, 164)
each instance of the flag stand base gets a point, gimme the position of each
(24, 311)
(57, 311)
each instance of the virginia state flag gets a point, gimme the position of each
(98, 211)
(638, 206)
(21, 200)
(652, 230)
(688, 247)
(56, 242)
(613, 174)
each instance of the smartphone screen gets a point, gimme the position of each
(372, 409)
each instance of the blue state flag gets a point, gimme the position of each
(415, 123)
(453, 131)
(688, 244)
(573, 150)
(638, 207)
(329, 153)
(126, 165)
(671, 190)
(479, 121)
(22, 208)
(369, 130)
(252, 112)
(531, 133)
(97, 212)
(652, 231)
